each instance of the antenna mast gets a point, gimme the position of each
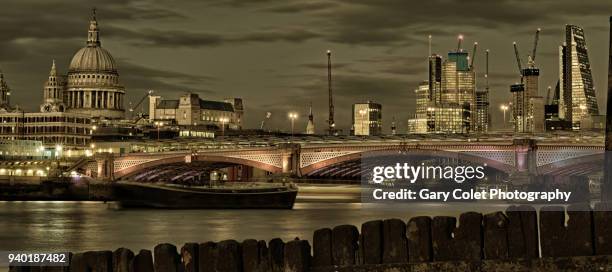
(331, 122)
(487, 70)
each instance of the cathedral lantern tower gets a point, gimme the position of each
(5, 94)
(53, 96)
(93, 81)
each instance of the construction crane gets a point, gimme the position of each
(518, 59)
(473, 55)
(535, 46)
(138, 117)
(263, 122)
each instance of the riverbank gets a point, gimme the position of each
(519, 239)
(66, 190)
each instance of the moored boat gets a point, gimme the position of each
(226, 196)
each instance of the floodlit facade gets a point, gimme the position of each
(69, 130)
(483, 118)
(190, 110)
(24, 149)
(577, 93)
(446, 103)
(367, 119)
(52, 126)
(92, 86)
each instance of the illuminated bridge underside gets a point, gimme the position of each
(177, 173)
(499, 157)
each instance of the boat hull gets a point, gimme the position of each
(165, 197)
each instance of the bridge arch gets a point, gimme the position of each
(592, 162)
(135, 169)
(417, 152)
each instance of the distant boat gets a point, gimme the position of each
(226, 196)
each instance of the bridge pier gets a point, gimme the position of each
(526, 162)
(526, 155)
(290, 153)
(106, 166)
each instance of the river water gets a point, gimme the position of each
(81, 226)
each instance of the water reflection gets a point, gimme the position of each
(81, 226)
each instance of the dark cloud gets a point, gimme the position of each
(178, 38)
(142, 77)
(299, 7)
(175, 38)
(320, 66)
(269, 51)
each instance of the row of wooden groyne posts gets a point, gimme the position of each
(576, 238)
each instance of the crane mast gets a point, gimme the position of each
(535, 46)
(473, 55)
(147, 94)
(518, 59)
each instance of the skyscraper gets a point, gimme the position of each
(578, 102)
(421, 123)
(459, 91)
(519, 106)
(367, 118)
(482, 111)
(446, 102)
(435, 78)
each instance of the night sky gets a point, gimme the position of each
(272, 52)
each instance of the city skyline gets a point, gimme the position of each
(282, 67)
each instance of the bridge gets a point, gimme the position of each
(340, 157)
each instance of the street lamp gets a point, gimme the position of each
(223, 121)
(362, 113)
(292, 117)
(504, 108)
(158, 125)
